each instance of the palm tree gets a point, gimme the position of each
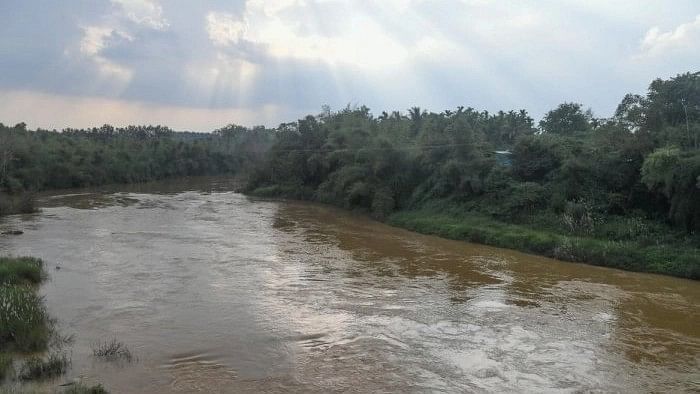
(415, 114)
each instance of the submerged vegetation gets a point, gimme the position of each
(621, 191)
(43, 368)
(112, 350)
(80, 388)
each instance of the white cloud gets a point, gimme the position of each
(365, 46)
(146, 14)
(271, 8)
(290, 29)
(685, 36)
(94, 41)
(143, 12)
(224, 28)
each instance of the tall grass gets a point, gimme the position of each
(39, 368)
(25, 325)
(21, 270)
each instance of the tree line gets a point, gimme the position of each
(32, 160)
(643, 162)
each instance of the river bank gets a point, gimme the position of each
(11, 204)
(25, 325)
(653, 249)
(31, 349)
(668, 259)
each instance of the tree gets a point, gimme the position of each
(566, 119)
(535, 157)
(674, 174)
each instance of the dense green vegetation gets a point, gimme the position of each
(621, 192)
(21, 270)
(36, 160)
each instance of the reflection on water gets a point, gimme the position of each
(215, 292)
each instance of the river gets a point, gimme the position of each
(217, 292)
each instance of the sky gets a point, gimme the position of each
(199, 65)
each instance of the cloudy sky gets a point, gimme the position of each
(198, 65)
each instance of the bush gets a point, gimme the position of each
(382, 203)
(38, 368)
(19, 203)
(578, 217)
(112, 350)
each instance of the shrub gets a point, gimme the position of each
(17, 203)
(112, 350)
(382, 203)
(38, 368)
(578, 217)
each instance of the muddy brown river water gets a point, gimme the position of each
(217, 292)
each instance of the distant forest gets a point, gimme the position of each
(633, 178)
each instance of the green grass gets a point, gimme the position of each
(39, 368)
(21, 270)
(680, 259)
(25, 325)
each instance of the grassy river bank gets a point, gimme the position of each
(616, 242)
(640, 254)
(31, 348)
